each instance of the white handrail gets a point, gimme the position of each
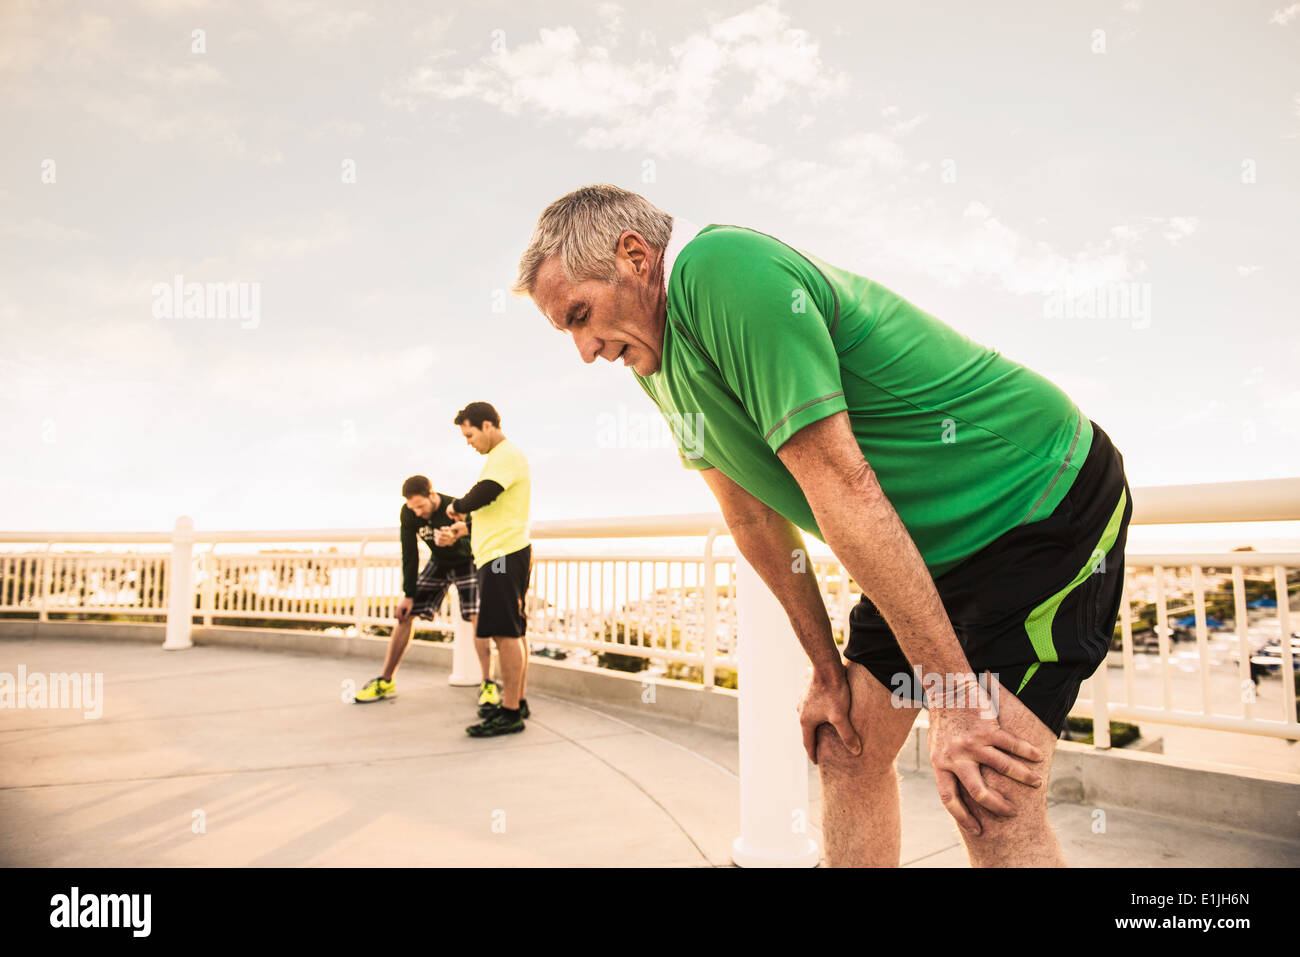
(1259, 500)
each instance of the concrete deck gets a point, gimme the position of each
(261, 746)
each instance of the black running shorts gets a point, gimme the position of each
(1036, 606)
(502, 585)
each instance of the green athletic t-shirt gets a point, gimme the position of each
(762, 340)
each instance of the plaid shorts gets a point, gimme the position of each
(432, 586)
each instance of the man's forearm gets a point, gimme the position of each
(865, 533)
(483, 493)
(774, 547)
(410, 563)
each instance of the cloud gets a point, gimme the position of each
(328, 374)
(32, 40)
(316, 22)
(1284, 16)
(171, 6)
(1180, 227)
(42, 230)
(673, 106)
(904, 127)
(556, 76)
(331, 230)
(199, 73)
(145, 114)
(882, 215)
(345, 129)
(699, 99)
(874, 148)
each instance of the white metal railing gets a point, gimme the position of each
(680, 609)
(674, 608)
(1211, 685)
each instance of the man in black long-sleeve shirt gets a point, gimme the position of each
(424, 517)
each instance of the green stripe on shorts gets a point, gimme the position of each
(1039, 623)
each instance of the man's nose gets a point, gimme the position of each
(588, 346)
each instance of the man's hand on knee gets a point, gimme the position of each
(827, 701)
(962, 739)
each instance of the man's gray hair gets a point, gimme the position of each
(583, 228)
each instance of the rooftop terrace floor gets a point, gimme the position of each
(260, 748)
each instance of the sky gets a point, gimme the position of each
(369, 175)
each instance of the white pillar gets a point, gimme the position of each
(774, 826)
(180, 605)
(465, 669)
(710, 612)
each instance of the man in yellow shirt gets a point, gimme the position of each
(503, 554)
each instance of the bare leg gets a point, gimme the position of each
(483, 648)
(510, 654)
(397, 646)
(523, 674)
(1026, 840)
(861, 822)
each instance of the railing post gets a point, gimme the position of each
(1284, 631)
(1126, 634)
(710, 644)
(209, 584)
(846, 606)
(1101, 691)
(180, 606)
(359, 606)
(1202, 643)
(773, 765)
(1101, 707)
(1242, 615)
(45, 583)
(1163, 637)
(465, 669)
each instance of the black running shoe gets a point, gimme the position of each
(487, 710)
(497, 723)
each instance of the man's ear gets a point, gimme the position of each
(633, 246)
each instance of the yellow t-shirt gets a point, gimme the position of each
(501, 527)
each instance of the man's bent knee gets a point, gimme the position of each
(833, 756)
(1030, 803)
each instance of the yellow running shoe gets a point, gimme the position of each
(375, 690)
(489, 692)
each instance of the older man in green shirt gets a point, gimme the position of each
(982, 513)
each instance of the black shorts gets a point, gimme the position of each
(502, 585)
(1036, 606)
(432, 585)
